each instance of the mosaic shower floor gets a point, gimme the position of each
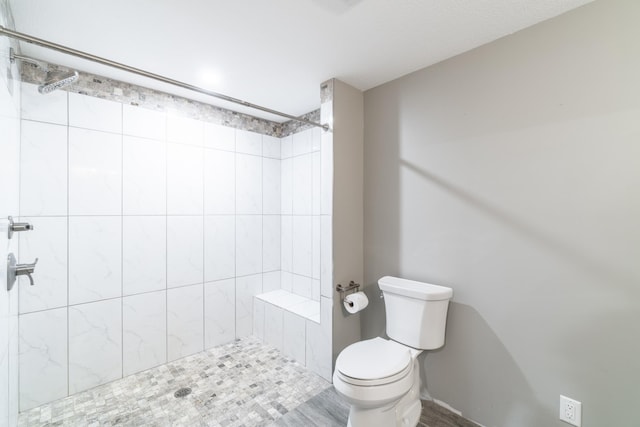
(241, 384)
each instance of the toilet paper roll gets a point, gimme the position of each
(355, 302)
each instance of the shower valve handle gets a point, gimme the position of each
(26, 270)
(14, 270)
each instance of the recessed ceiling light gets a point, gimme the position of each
(210, 79)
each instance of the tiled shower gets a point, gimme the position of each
(9, 179)
(161, 233)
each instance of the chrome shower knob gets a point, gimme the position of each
(18, 226)
(14, 270)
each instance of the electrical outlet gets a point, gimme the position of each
(570, 411)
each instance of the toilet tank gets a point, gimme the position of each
(416, 311)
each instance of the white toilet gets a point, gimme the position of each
(380, 378)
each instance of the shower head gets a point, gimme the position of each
(56, 80)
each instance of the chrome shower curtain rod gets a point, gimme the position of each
(84, 55)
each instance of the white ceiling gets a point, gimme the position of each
(276, 52)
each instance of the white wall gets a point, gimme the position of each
(511, 174)
(153, 231)
(9, 175)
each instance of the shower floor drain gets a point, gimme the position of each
(185, 391)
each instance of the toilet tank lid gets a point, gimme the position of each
(413, 289)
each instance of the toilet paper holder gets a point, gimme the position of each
(352, 287)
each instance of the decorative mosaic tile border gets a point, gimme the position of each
(9, 71)
(326, 91)
(292, 126)
(126, 93)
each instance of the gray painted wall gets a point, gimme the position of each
(512, 174)
(347, 207)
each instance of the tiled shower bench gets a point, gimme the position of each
(286, 321)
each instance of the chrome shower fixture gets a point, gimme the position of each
(56, 80)
(53, 80)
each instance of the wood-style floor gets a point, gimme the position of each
(434, 415)
(327, 409)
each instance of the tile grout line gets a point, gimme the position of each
(18, 312)
(122, 240)
(235, 235)
(262, 174)
(204, 234)
(166, 239)
(68, 255)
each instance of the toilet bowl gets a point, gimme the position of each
(382, 390)
(380, 378)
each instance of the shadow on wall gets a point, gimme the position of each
(470, 342)
(381, 184)
(565, 251)
(375, 313)
(478, 354)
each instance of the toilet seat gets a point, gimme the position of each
(374, 362)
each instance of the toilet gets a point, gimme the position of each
(380, 378)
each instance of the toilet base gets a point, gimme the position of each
(371, 417)
(404, 412)
(386, 417)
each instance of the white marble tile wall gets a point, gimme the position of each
(271, 242)
(302, 245)
(219, 312)
(144, 190)
(95, 270)
(95, 172)
(219, 247)
(271, 281)
(185, 321)
(219, 137)
(95, 344)
(143, 123)
(301, 184)
(273, 326)
(282, 320)
(49, 245)
(43, 357)
(296, 304)
(153, 231)
(144, 254)
(246, 288)
(9, 203)
(144, 331)
(185, 185)
(248, 184)
(219, 167)
(297, 318)
(43, 186)
(258, 318)
(87, 112)
(318, 351)
(185, 250)
(294, 337)
(248, 244)
(325, 177)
